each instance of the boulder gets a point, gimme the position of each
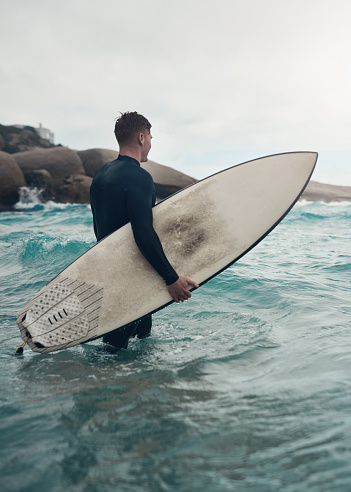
(75, 189)
(11, 179)
(93, 159)
(167, 180)
(59, 162)
(42, 180)
(39, 178)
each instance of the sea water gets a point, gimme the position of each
(246, 387)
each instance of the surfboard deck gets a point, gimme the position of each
(203, 228)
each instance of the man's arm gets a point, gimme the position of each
(140, 214)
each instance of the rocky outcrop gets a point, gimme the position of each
(38, 178)
(56, 173)
(326, 193)
(75, 189)
(93, 159)
(65, 175)
(60, 162)
(11, 180)
(42, 180)
(18, 139)
(167, 180)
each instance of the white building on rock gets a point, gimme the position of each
(45, 133)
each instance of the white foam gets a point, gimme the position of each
(30, 199)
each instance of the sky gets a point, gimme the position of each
(221, 82)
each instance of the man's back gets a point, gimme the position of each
(120, 190)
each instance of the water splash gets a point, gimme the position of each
(29, 199)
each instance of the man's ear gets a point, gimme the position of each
(141, 138)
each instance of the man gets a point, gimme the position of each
(123, 192)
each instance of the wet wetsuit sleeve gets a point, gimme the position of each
(139, 203)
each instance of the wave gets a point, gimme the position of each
(303, 202)
(319, 211)
(30, 200)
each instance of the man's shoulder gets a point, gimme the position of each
(124, 169)
(107, 166)
(146, 173)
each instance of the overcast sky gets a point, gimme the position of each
(221, 81)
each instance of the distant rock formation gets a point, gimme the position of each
(59, 162)
(320, 192)
(20, 138)
(53, 170)
(75, 189)
(167, 180)
(64, 175)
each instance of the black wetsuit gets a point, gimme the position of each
(123, 192)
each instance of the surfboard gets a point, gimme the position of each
(203, 228)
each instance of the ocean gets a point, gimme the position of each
(246, 387)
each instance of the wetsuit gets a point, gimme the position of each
(123, 192)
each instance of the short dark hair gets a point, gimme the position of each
(128, 125)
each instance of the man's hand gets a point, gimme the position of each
(179, 290)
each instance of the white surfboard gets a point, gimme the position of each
(204, 228)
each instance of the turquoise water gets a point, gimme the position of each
(246, 387)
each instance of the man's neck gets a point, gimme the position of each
(133, 152)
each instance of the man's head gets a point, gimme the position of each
(133, 130)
